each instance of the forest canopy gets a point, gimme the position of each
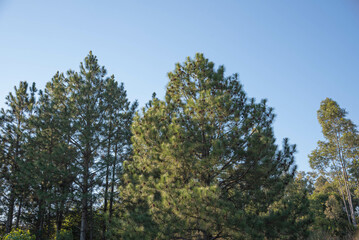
(79, 161)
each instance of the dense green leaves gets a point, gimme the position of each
(290, 217)
(14, 129)
(52, 150)
(204, 160)
(333, 203)
(19, 234)
(340, 150)
(78, 162)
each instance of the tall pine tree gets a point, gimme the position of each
(205, 163)
(119, 113)
(13, 131)
(49, 170)
(87, 109)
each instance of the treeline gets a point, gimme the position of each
(78, 161)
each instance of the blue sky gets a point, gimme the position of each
(294, 53)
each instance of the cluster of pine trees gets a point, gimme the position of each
(78, 161)
(62, 150)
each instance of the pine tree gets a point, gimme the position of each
(290, 217)
(49, 170)
(85, 93)
(14, 127)
(116, 140)
(59, 153)
(205, 164)
(99, 118)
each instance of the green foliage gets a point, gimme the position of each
(336, 157)
(341, 137)
(205, 164)
(13, 131)
(290, 217)
(72, 222)
(332, 208)
(18, 234)
(51, 150)
(64, 235)
(327, 206)
(78, 162)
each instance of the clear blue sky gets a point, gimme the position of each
(294, 53)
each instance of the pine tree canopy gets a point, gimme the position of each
(205, 163)
(77, 161)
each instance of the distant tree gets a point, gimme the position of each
(333, 156)
(205, 165)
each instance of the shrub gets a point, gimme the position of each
(18, 234)
(64, 235)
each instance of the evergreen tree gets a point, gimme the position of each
(85, 93)
(205, 163)
(65, 154)
(99, 117)
(290, 217)
(13, 131)
(116, 134)
(49, 169)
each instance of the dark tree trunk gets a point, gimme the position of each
(84, 201)
(10, 212)
(40, 221)
(113, 184)
(18, 214)
(48, 222)
(12, 194)
(60, 215)
(91, 217)
(106, 187)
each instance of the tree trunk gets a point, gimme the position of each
(48, 222)
(91, 215)
(113, 184)
(345, 178)
(18, 214)
(59, 216)
(10, 212)
(12, 194)
(83, 219)
(84, 197)
(106, 186)
(40, 221)
(105, 203)
(342, 194)
(349, 199)
(63, 192)
(345, 204)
